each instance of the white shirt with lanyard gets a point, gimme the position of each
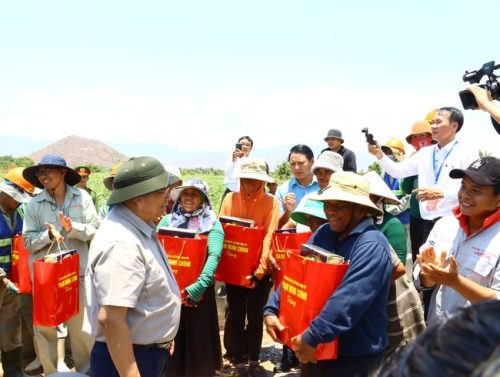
(433, 165)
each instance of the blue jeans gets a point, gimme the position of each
(151, 362)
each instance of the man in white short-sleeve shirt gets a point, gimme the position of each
(132, 299)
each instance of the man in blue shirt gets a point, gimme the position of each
(289, 194)
(357, 311)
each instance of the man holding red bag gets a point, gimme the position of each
(357, 310)
(59, 212)
(14, 190)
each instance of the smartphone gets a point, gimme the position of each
(239, 146)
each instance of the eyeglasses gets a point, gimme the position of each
(42, 172)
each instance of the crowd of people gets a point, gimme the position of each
(422, 242)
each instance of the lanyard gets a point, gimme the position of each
(438, 172)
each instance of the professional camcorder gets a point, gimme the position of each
(492, 84)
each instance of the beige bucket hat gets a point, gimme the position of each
(348, 187)
(254, 168)
(378, 187)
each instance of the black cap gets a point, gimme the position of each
(485, 171)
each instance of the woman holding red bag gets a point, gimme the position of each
(246, 304)
(197, 343)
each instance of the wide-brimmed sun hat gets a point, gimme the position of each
(254, 168)
(308, 207)
(138, 176)
(348, 187)
(379, 188)
(196, 183)
(174, 174)
(420, 127)
(329, 160)
(51, 161)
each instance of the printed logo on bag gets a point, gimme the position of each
(295, 289)
(67, 279)
(235, 246)
(179, 261)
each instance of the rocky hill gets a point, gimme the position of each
(81, 151)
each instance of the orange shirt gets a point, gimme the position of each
(262, 208)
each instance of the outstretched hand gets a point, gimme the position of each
(273, 326)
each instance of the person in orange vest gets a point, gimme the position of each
(14, 191)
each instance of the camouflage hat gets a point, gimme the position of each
(254, 168)
(138, 176)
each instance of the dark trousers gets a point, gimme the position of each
(427, 294)
(416, 236)
(151, 362)
(345, 367)
(245, 304)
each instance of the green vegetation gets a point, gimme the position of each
(9, 162)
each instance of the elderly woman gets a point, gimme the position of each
(197, 344)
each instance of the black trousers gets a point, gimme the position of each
(416, 235)
(426, 295)
(345, 367)
(245, 305)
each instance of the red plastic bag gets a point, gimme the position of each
(20, 267)
(281, 242)
(305, 288)
(186, 257)
(56, 291)
(240, 254)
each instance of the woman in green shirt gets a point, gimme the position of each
(197, 343)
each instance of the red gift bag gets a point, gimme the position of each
(305, 288)
(281, 242)
(186, 257)
(20, 267)
(56, 291)
(240, 254)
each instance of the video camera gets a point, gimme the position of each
(492, 84)
(369, 136)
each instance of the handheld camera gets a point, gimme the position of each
(369, 136)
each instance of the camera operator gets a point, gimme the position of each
(483, 98)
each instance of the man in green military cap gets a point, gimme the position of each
(84, 172)
(132, 300)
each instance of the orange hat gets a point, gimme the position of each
(108, 181)
(16, 176)
(430, 115)
(420, 127)
(395, 147)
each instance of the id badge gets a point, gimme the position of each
(431, 205)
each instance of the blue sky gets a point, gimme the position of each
(198, 74)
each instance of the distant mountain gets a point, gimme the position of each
(77, 150)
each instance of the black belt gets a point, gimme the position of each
(161, 346)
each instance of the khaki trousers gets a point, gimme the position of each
(81, 343)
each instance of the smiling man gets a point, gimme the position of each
(461, 256)
(437, 193)
(132, 299)
(59, 212)
(357, 310)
